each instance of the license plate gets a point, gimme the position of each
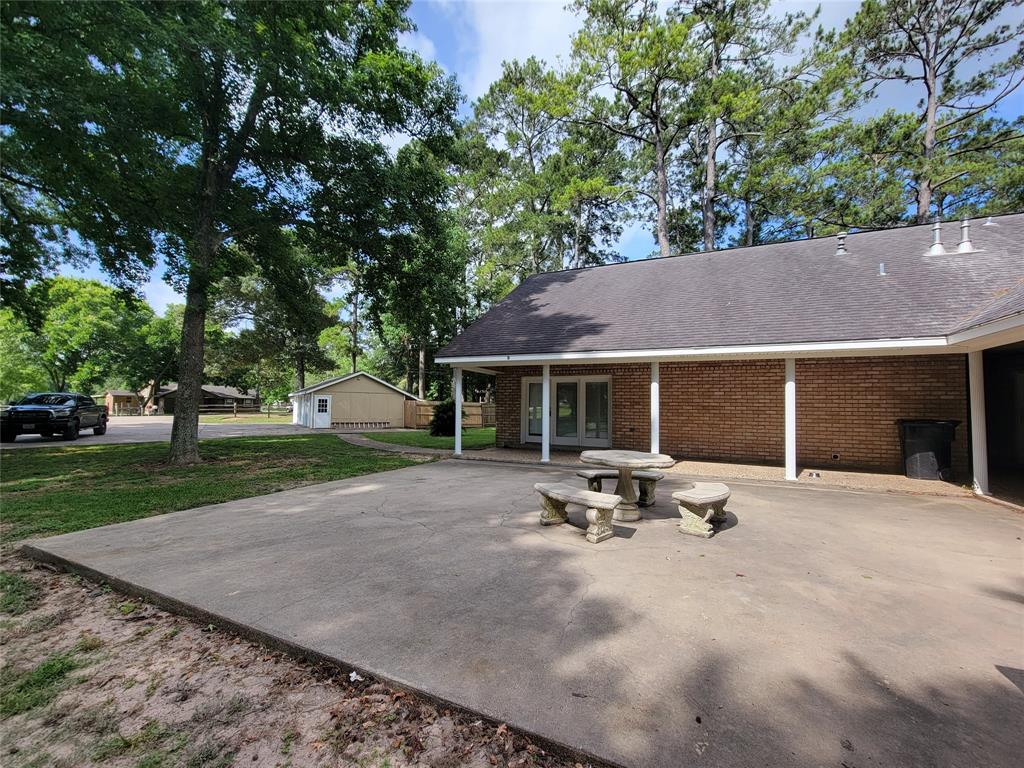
(28, 426)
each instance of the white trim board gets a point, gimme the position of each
(924, 345)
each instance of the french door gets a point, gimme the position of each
(580, 410)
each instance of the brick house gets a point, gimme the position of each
(802, 353)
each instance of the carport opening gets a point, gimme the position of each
(1004, 422)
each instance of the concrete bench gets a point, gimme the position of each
(555, 496)
(700, 506)
(646, 480)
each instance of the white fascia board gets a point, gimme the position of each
(1005, 326)
(749, 351)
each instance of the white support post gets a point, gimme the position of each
(545, 429)
(457, 387)
(979, 442)
(655, 410)
(790, 418)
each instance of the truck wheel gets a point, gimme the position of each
(8, 436)
(101, 428)
(71, 430)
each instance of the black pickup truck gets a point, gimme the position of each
(52, 413)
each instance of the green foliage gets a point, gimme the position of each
(64, 489)
(442, 423)
(86, 332)
(24, 691)
(250, 117)
(17, 594)
(961, 61)
(20, 369)
(472, 439)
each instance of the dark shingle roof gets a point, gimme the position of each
(781, 293)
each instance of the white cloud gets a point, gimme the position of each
(421, 44)
(494, 31)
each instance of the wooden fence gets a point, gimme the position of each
(418, 414)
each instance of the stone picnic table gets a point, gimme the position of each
(626, 462)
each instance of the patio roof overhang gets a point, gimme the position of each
(971, 341)
(1006, 330)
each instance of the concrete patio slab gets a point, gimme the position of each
(818, 628)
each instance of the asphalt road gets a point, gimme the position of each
(154, 429)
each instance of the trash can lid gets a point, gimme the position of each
(929, 422)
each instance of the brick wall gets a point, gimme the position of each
(733, 410)
(849, 406)
(730, 410)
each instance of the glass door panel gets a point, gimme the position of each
(567, 416)
(596, 410)
(535, 409)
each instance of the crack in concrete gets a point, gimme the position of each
(572, 611)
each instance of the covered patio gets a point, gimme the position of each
(804, 354)
(818, 627)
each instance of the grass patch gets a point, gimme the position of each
(20, 692)
(472, 439)
(246, 418)
(62, 489)
(17, 594)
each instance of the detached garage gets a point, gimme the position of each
(355, 401)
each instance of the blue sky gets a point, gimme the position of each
(471, 38)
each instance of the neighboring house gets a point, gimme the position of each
(214, 397)
(799, 353)
(122, 402)
(357, 400)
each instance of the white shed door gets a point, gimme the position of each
(321, 412)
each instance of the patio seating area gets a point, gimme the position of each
(818, 627)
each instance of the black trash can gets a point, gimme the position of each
(927, 447)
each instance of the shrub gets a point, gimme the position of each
(442, 424)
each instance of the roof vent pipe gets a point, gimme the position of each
(936, 249)
(881, 269)
(840, 244)
(965, 245)
(989, 222)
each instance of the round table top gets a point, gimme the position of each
(627, 459)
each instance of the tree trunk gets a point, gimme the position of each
(300, 370)
(408, 366)
(355, 323)
(707, 203)
(924, 181)
(423, 371)
(661, 176)
(748, 223)
(185, 428)
(577, 261)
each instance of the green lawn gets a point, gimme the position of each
(246, 418)
(69, 488)
(472, 439)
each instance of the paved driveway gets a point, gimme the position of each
(830, 628)
(153, 429)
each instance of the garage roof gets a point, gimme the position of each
(346, 377)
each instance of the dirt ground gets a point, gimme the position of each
(91, 677)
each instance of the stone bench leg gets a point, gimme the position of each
(600, 527)
(552, 512)
(594, 484)
(647, 493)
(697, 519)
